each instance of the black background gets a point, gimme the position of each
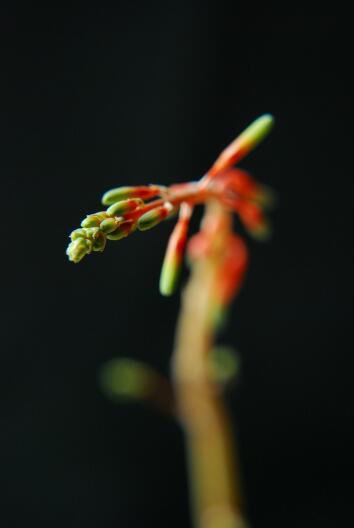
(96, 98)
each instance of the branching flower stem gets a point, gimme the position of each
(218, 259)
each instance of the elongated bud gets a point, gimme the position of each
(78, 248)
(123, 230)
(94, 220)
(172, 264)
(124, 206)
(121, 193)
(155, 216)
(243, 144)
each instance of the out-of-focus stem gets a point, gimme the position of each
(214, 482)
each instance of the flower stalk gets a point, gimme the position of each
(218, 260)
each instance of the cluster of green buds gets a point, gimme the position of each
(143, 207)
(125, 214)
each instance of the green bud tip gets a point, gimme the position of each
(243, 144)
(255, 133)
(117, 194)
(170, 273)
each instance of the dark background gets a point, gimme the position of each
(96, 98)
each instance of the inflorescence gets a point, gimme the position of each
(143, 207)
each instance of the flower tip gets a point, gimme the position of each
(77, 249)
(258, 130)
(268, 119)
(169, 277)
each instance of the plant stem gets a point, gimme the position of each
(214, 483)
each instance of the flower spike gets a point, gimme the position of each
(143, 207)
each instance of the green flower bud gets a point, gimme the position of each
(94, 220)
(117, 194)
(90, 221)
(108, 225)
(145, 192)
(78, 233)
(78, 248)
(124, 206)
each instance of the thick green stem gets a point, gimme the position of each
(214, 483)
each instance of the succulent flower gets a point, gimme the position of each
(143, 207)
